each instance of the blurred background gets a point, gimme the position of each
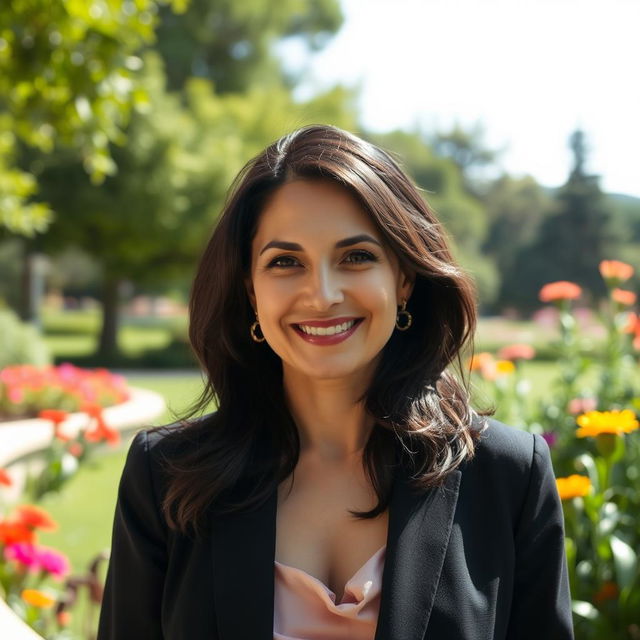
(123, 123)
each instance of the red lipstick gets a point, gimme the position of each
(327, 340)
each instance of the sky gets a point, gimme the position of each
(530, 72)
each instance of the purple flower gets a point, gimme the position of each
(550, 437)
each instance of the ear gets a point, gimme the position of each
(406, 283)
(248, 283)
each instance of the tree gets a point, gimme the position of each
(574, 239)
(467, 150)
(516, 208)
(66, 76)
(231, 42)
(462, 214)
(148, 222)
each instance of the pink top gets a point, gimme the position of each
(306, 609)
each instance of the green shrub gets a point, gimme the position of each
(20, 343)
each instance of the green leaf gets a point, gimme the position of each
(586, 462)
(585, 610)
(625, 561)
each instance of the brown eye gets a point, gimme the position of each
(282, 262)
(359, 257)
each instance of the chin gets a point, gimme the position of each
(335, 370)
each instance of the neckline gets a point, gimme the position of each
(317, 580)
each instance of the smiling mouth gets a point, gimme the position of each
(332, 330)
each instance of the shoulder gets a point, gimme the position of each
(499, 441)
(504, 450)
(153, 449)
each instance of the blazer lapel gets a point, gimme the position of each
(243, 549)
(419, 529)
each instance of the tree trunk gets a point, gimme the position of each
(25, 310)
(32, 284)
(108, 346)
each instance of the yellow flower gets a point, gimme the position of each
(573, 487)
(594, 423)
(505, 367)
(37, 598)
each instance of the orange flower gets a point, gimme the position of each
(573, 486)
(37, 598)
(615, 270)
(633, 326)
(608, 591)
(55, 415)
(480, 360)
(622, 296)
(12, 532)
(517, 352)
(64, 618)
(561, 290)
(594, 423)
(5, 478)
(34, 517)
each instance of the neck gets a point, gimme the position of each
(331, 420)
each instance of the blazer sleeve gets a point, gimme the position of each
(131, 605)
(541, 606)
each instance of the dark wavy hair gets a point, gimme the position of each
(422, 413)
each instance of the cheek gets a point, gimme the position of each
(378, 293)
(273, 299)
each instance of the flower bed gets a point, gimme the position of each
(24, 563)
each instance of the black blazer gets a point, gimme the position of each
(480, 558)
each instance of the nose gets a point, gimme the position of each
(324, 289)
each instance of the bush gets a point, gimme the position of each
(20, 343)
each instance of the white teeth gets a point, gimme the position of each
(327, 331)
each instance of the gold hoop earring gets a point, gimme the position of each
(253, 330)
(407, 318)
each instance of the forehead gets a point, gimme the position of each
(315, 210)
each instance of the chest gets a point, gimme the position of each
(316, 533)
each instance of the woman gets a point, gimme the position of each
(344, 488)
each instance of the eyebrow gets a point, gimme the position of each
(294, 246)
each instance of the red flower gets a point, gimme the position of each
(76, 449)
(633, 326)
(561, 290)
(14, 532)
(34, 517)
(5, 478)
(100, 431)
(55, 415)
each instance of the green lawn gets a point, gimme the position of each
(71, 334)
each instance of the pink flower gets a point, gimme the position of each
(53, 562)
(24, 554)
(36, 558)
(517, 351)
(581, 405)
(550, 438)
(15, 395)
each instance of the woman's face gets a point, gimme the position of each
(325, 286)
